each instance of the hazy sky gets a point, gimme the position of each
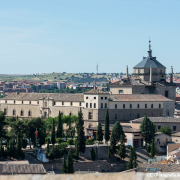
(43, 36)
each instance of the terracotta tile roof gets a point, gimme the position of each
(15, 162)
(163, 166)
(56, 96)
(22, 169)
(95, 91)
(138, 97)
(158, 119)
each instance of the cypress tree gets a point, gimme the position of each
(81, 142)
(148, 129)
(53, 133)
(70, 168)
(47, 150)
(64, 170)
(76, 151)
(99, 134)
(122, 149)
(152, 149)
(59, 127)
(106, 130)
(18, 145)
(130, 162)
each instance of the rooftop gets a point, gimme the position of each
(138, 97)
(158, 119)
(95, 91)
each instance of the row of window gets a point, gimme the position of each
(21, 113)
(138, 106)
(22, 102)
(90, 105)
(71, 103)
(95, 98)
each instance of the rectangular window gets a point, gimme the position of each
(123, 106)
(29, 102)
(90, 105)
(86, 105)
(105, 97)
(79, 103)
(166, 94)
(145, 105)
(115, 106)
(159, 127)
(62, 103)
(90, 115)
(101, 98)
(94, 97)
(120, 91)
(22, 102)
(71, 103)
(101, 105)
(54, 103)
(5, 112)
(115, 116)
(94, 105)
(86, 97)
(174, 128)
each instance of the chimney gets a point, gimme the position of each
(171, 79)
(127, 71)
(150, 78)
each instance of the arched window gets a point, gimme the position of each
(138, 115)
(105, 105)
(101, 105)
(29, 113)
(123, 106)
(145, 105)
(70, 114)
(22, 113)
(14, 112)
(130, 106)
(5, 111)
(159, 105)
(138, 106)
(151, 105)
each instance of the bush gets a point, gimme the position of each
(148, 148)
(70, 141)
(59, 140)
(90, 141)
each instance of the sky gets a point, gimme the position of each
(45, 36)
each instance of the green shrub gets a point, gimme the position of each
(90, 141)
(24, 143)
(70, 141)
(148, 148)
(59, 140)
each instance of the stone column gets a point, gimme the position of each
(171, 79)
(150, 77)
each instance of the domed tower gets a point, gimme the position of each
(149, 69)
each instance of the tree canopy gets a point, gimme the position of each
(165, 130)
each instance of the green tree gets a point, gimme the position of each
(59, 127)
(47, 150)
(93, 154)
(130, 162)
(80, 132)
(19, 146)
(122, 149)
(152, 149)
(53, 140)
(64, 171)
(99, 134)
(24, 143)
(2, 124)
(165, 130)
(116, 134)
(70, 168)
(1, 148)
(147, 129)
(106, 130)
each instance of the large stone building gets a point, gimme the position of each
(149, 77)
(146, 92)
